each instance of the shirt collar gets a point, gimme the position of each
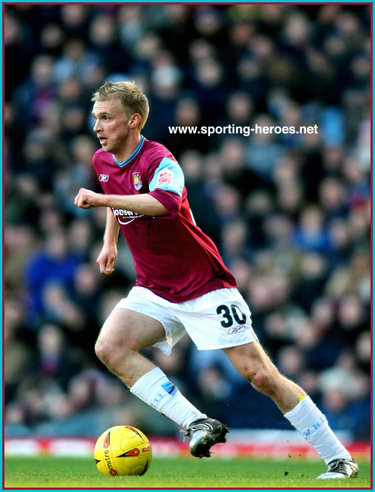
(131, 157)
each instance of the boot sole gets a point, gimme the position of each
(202, 449)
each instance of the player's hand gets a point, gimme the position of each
(106, 259)
(88, 199)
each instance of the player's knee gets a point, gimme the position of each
(107, 352)
(102, 350)
(264, 380)
(111, 353)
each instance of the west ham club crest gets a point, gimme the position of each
(137, 181)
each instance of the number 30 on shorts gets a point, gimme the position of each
(230, 312)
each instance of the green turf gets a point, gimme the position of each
(45, 472)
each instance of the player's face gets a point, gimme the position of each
(111, 125)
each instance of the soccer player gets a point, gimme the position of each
(182, 284)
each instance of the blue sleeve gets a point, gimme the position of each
(168, 176)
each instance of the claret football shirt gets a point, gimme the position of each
(172, 256)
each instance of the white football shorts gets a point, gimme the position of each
(216, 320)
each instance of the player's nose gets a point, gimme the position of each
(97, 126)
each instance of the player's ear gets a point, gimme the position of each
(134, 120)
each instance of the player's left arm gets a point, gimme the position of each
(141, 204)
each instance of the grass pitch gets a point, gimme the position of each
(181, 472)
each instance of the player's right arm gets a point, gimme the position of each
(108, 254)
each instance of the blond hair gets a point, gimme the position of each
(131, 96)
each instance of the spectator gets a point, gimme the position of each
(52, 264)
(311, 235)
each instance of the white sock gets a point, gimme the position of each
(155, 389)
(312, 424)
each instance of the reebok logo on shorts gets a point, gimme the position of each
(236, 329)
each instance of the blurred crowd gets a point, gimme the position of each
(289, 213)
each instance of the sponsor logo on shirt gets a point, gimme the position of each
(124, 217)
(137, 181)
(165, 176)
(104, 178)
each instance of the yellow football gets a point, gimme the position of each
(122, 450)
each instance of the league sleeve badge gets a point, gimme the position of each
(165, 176)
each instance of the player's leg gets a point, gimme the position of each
(254, 364)
(124, 333)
